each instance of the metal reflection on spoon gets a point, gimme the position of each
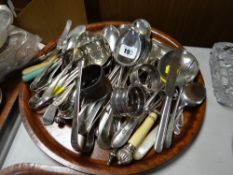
(111, 34)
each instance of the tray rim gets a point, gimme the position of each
(109, 170)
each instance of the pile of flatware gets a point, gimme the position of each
(114, 86)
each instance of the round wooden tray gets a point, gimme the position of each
(55, 141)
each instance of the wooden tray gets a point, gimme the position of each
(10, 94)
(35, 169)
(55, 141)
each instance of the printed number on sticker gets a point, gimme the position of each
(127, 51)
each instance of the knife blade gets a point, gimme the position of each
(172, 73)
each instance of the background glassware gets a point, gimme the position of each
(221, 66)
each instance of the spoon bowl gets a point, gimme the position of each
(123, 28)
(188, 68)
(193, 94)
(111, 34)
(143, 27)
(129, 48)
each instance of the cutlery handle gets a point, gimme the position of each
(31, 75)
(158, 146)
(143, 129)
(123, 135)
(40, 65)
(35, 67)
(75, 124)
(170, 129)
(49, 114)
(64, 33)
(60, 99)
(146, 145)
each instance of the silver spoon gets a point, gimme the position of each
(46, 77)
(50, 112)
(143, 27)
(41, 99)
(97, 51)
(123, 28)
(73, 36)
(189, 68)
(111, 34)
(77, 31)
(128, 48)
(176, 68)
(170, 80)
(193, 95)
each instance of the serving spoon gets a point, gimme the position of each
(176, 68)
(193, 95)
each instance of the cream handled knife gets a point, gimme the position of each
(142, 131)
(125, 155)
(146, 145)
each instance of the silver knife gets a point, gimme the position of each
(169, 91)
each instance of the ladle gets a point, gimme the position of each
(192, 95)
